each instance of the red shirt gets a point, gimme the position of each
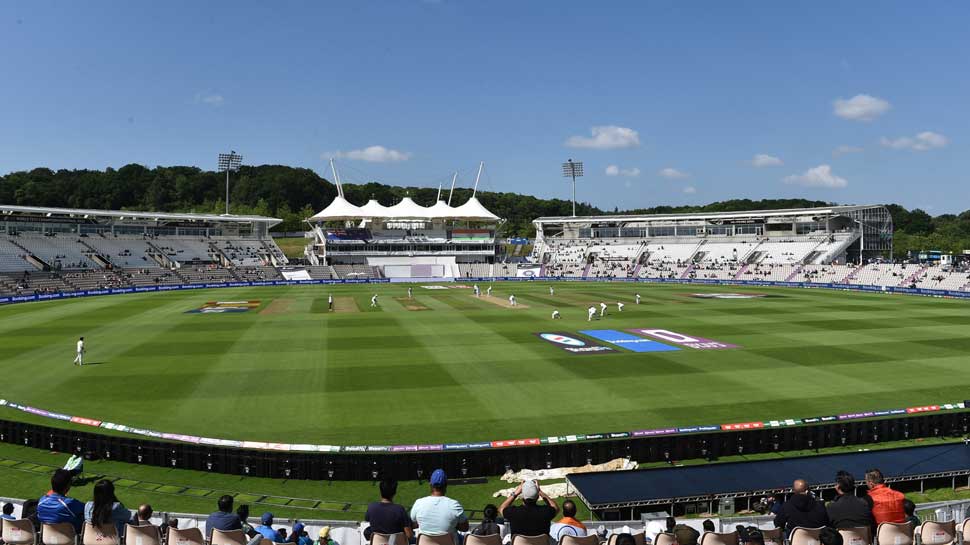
(887, 504)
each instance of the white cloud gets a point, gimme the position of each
(690, 190)
(606, 137)
(820, 176)
(763, 160)
(860, 107)
(923, 141)
(672, 173)
(613, 170)
(374, 154)
(212, 99)
(845, 150)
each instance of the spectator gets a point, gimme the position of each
(299, 536)
(801, 509)
(105, 508)
(29, 512)
(685, 535)
(489, 525)
(243, 513)
(569, 519)
(847, 510)
(671, 524)
(324, 537)
(830, 536)
(385, 516)
(908, 507)
(750, 535)
(143, 515)
(530, 518)
(708, 525)
(887, 504)
(625, 539)
(173, 523)
(437, 514)
(266, 528)
(281, 533)
(8, 511)
(223, 519)
(56, 506)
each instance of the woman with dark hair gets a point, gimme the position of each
(105, 509)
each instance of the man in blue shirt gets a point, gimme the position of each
(56, 507)
(266, 528)
(223, 519)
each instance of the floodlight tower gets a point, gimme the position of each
(229, 162)
(573, 169)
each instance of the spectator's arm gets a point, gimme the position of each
(511, 498)
(549, 501)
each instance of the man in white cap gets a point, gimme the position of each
(530, 518)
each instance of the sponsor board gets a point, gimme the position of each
(627, 341)
(574, 345)
(221, 307)
(697, 343)
(728, 295)
(434, 287)
(528, 271)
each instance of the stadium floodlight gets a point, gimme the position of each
(229, 162)
(573, 169)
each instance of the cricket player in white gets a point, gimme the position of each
(602, 309)
(638, 298)
(79, 359)
(488, 291)
(555, 314)
(373, 300)
(551, 291)
(619, 306)
(590, 312)
(478, 292)
(330, 302)
(409, 292)
(512, 300)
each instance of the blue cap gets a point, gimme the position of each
(438, 478)
(298, 528)
(267, 518)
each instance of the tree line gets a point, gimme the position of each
(293, 194)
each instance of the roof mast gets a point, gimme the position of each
(480, 167)
(452, 192)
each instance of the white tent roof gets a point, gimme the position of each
(473, 210)
(374, 209)
(441, 210)
(407, 208)
(339, 209)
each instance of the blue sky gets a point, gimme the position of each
(665, 102)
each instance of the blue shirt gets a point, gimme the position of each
(54, 508)
(119, 515)
(269, 533)
(222, 520)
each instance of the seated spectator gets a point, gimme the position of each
(830, 536)
(568, 525)
(243, 513)
(887, 504)
(847, 510)
(530, 518)
(223, 519)
(686, 535)
(299, 536)
(8, 512)
(385, 516)
(625, 539)
(750, 535)
(324, 537)
(266, 528)
(801, 509)
(143, 515)
(908, 507)
(29, 512)
(709, 526)
(56, 506)
(489, 525)
(105, 508)
(438, 514)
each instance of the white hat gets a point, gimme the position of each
(530, 490)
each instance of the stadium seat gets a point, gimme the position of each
(346, 536)
(640, 538)
(573, 540)
(938, 533)
(773, 536)
(492, 539)
(228, 537)
(142, 535)
(665, 539)
(102, 534)
(804, 536)
(542, 539)
(964, 531)
(425, 539)
(388, 539)
(19, 532)
(855, 536)
(188, 536)
(61, 533)
(714, 538)
(894, 533)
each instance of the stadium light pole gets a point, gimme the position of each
(573, 169)
(229, 162)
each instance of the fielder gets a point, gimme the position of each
(478, 293)
(602, 309)
(638, 298)
(512, 300)
(330, 302)
(373, 300)
(619, 306)
(409, 292)
(488, 292)
(590, 312)
(79, 359)
(551, 291)
(555, 314)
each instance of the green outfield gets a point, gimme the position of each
(446, 366)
